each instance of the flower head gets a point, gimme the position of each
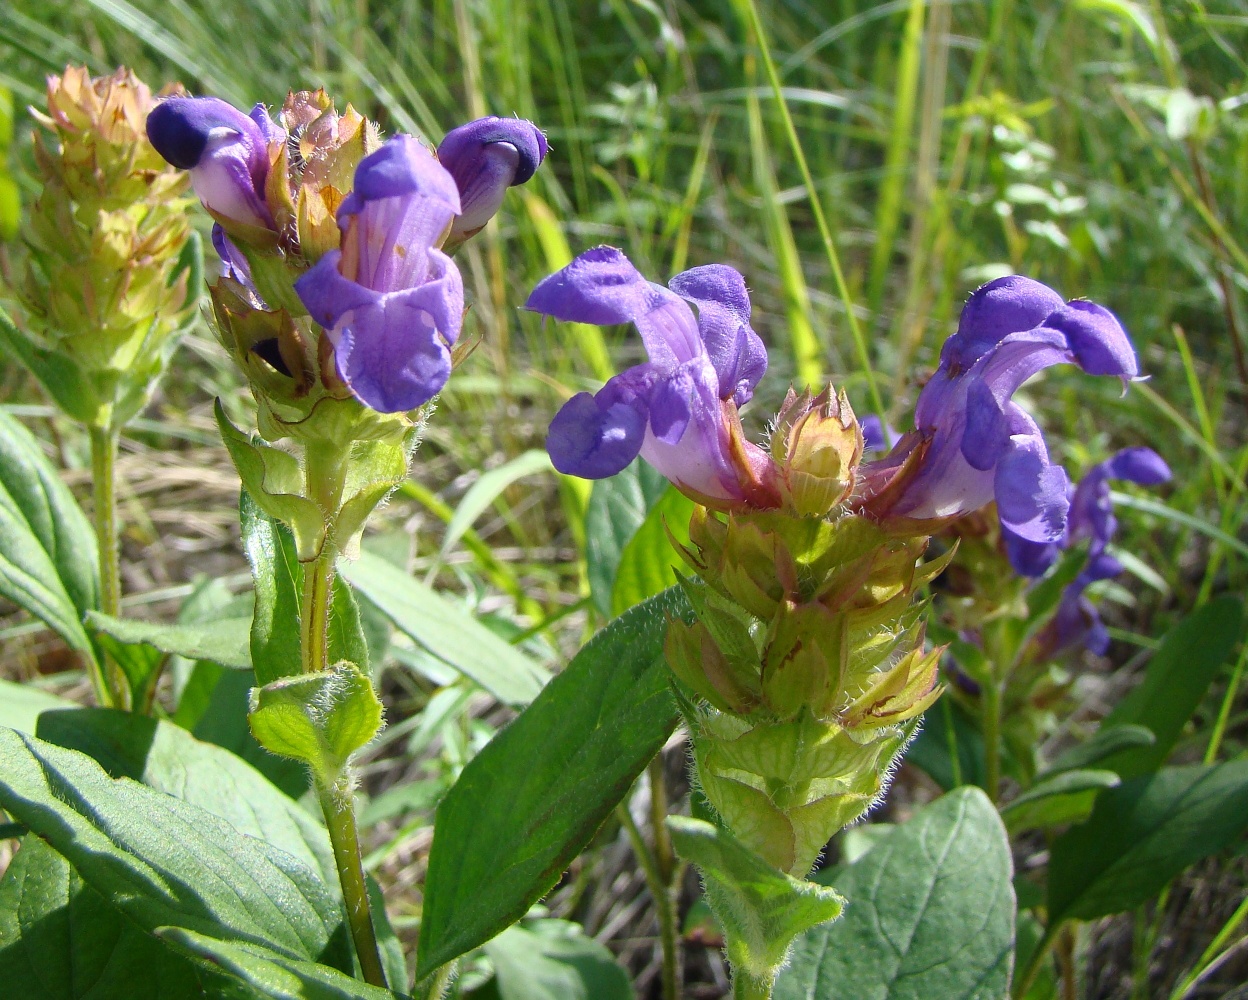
(679, 409)
(226, 152)
(391, 301)
(486, 157)
(972, 443)
(1092, 520)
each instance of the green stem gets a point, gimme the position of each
(664, 901)
(325, 468)
(991, 709)
(104, 489)
(745, 987)
(1023, 982)
(336, 804)
(433, 986)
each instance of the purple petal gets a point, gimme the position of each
(593, 441)
(602, 287)
(327, 295)
(485, 157)
(723, 305)
(402, 204)
(1138, 465)
(1098, 343)
(1026, 557)
(1031, 492)
(394, 353)
(225, 151)
(1007, 305)
(873, 436)
(234, 264)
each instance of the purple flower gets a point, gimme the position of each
(391, 301)
(1091, 519)
(679, 409)
(972, 443)
(226, 152)
(486, 157)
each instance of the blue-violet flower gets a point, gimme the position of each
(679, 409)
(972, 443)
(391, 302)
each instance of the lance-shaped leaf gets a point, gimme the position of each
(47, 547)
(60, 375)
(530, 801)
(1066, 797)
(275, 574)
(164, 862)
(760, 908)
(320, 719)
(617, 508)
(445, 630)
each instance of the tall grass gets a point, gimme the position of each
(1098, 145)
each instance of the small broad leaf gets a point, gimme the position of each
(930, 914)
(1066, 797)
(1105, 742)
(446, 630)
(47, 547)
(164, 862)
(274, 480)
(760, 908)
(21, 705)
(270, 974)
(275, 573)
(530, 801)
(61, 940)
(555, 960)
(320, 719)
(617, 508)
(1142, 834)
(648, 562)
(223, 642)
(1175, 681)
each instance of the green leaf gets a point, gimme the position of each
(275, 573)
(1104, 743)
(60, 376)
(530, 801)
(1142, 834)
(483, 493)
(930, 914)
(320, 719)
(164, 862)
(21, 705)
(647, 564)
(555, 960)
(1175, 682)
(617, 508)
(61, 940)
(170, 760)
(272, 975)
(274, 480)
(346, 628)
(446, 630)
(223, 642)
(760, 908)
(47, 547)
(1066, 797)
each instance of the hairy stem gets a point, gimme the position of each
(746, 987)
(104, 679)
(339, 810)
(318, 582)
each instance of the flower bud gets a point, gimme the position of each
(818, 445)
(486, 157)
(227, 154)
